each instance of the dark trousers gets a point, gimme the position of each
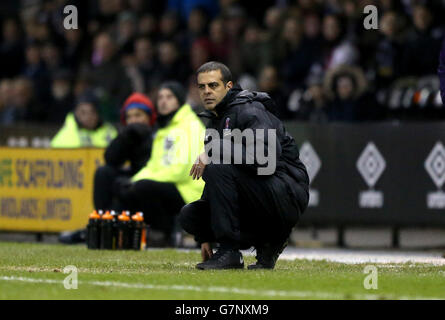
(159, 201)
(241, 209)
(109, 182)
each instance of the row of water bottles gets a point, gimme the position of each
(110, 231)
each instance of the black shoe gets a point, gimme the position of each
(223, 259)
(73, 237)
(267, 256)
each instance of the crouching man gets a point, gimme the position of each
(256, 188)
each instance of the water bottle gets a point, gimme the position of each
(107, 231)
(123, 230)
(93, 231)
(138, 226)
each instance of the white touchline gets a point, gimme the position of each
(252, 292)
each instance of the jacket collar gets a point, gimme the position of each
(231, 95)
(180, 114)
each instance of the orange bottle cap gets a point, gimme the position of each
(94, 215)
(107, 216)
(139, 216)
(124, 216)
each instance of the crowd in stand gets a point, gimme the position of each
(313, 57)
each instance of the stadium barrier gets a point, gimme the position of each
(376, 174)
(44, 190)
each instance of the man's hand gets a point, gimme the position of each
(206, 251)
(199, 166)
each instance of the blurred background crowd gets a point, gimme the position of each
(314, 57)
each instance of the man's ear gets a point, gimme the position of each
(229, 85)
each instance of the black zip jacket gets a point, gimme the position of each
(241, 109)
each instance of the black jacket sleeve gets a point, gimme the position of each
(122, 148)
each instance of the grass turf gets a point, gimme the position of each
(35, 271)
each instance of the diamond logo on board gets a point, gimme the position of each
(435, 166)
(371, 166)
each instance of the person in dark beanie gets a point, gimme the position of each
(168, 110)
(132, 145)
(84, 127)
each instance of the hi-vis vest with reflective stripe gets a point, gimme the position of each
(175, 149)
(71, 136)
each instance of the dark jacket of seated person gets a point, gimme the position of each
(134, 143)
(127, 153)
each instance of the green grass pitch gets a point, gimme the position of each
(35, 271)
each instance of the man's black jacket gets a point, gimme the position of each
(255, 110)
(132, 144)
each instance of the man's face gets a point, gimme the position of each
(331, 28)
(212, 89)
(422, 18)
(167, 102)
(137, 116)
(87, 115)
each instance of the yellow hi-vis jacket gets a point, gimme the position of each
(71, 136)
(175, 149)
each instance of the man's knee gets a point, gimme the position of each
(217, 170)
(190, 215)
(105, 172)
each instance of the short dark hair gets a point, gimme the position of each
(213, 66)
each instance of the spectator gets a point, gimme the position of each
(312, 31)
(201, 51)
(346, 88)
(196, 27)
(108, 77)
(61, 97)
(8, 112)
(252, 50)
(423, 42)
(36, 71)
(268, 81)
(389, 51)
(74, 49)
(219, 45)
(170, 66)
(234, 24)
(126, 32)
(169, 28)
(311, 104)
(296, 58)
(27, 106)
(84, 127)
(337, 50)
(147, 26)
(52, 58)
(133, 144)
(145, 56)
(11, 50)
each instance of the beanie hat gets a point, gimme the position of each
(139, 101)
(89, 97)
(177, 89)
